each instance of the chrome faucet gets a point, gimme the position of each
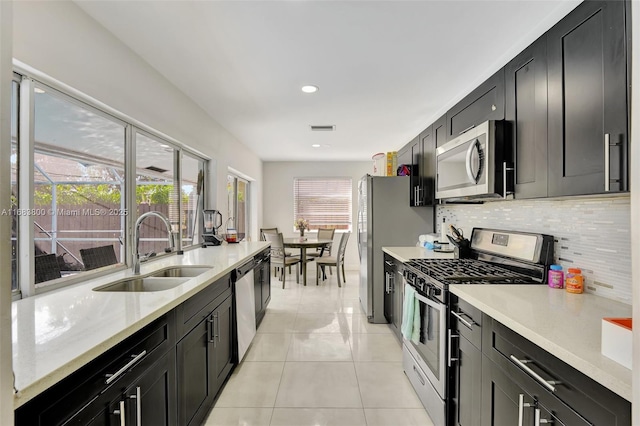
(136, 237)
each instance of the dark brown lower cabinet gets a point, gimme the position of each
(504, 402)
(466, 401)
(204, 359)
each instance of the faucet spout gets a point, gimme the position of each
(136, 237)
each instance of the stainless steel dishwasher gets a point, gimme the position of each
(245, 307)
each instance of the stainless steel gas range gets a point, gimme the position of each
(493, 257)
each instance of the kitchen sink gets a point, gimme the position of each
(163, 279)
(143, 284)
(180, 271)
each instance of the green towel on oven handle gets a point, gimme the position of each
(408, 308)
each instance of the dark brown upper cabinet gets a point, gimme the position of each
(427, 192)
(587, 56)
(486, 102)
(526, 111)
(440, 131)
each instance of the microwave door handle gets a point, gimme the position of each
(470, 174)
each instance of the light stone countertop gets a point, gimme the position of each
(56, 333)
(566, 325)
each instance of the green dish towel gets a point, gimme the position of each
(408, 306)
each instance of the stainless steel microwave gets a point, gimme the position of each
(476, 164)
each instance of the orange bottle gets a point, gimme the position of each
(574, 283)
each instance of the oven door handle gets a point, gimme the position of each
(433, 304)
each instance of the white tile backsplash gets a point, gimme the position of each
(590, 234)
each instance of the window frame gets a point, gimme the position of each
(296, 213)
(28, 80)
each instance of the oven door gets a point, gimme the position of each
(428, 345)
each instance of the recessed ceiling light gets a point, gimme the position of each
(309, 89)
(315, 145)
(38, 90)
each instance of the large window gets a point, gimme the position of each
(323, 202)
(192, 181)
(93, 174)
(238, 204)
(155, 191)
(78, 185)
(14, 182)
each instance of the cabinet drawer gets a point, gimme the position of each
(66, 400)
(191, 312)
(466, 320)
(524, 360)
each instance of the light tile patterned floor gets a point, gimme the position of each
(316, 360)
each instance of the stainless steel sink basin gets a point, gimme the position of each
(164, 279)
(181, 271)
(143, 284)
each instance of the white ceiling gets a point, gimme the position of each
(386, 69)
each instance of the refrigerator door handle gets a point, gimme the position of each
(359, 229)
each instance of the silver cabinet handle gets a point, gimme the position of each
(122, 414)
(210, 332)
(388, 263)
(607, 165)
(386, 283)
(216, 332)
(464, 321)
(415, 370)
(521, 406)
(539, 421)
(136, 358)
(451, 337)
(549, 384)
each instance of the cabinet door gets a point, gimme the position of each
(222, 342)
(152, 397)
(257, 291)
(398, 298)
(587, 60)
(467, 384)
(196, 383)
(416, 169)
(526, 112)
(428, 168)
(486, 102)
(440, 131)
(504, 402)
(388, 295)
(266, 284)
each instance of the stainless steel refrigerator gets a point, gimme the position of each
(384, 219)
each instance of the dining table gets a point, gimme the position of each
(303, 243)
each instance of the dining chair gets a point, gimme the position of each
(323, 234)
(97, 257)
(337, 261)
(264, 231)
(280, 259)
(46, 268)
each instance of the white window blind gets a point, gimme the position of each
(323, 202)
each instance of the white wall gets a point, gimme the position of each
(278, 195)
(72, 48)
(6, 380)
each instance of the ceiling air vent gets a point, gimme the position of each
(322, 128)
(156, 169)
